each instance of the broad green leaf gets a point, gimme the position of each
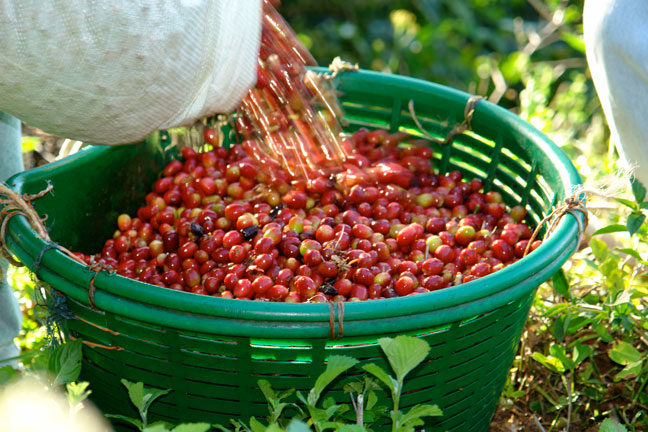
(297, 426)
(65, 362)
(404, 353)
(624, 354)
(615, 228)
(142, 397)
(383, 376)
(631, 371)
(274, 428)
(256, 425)
(635, 220)
(372, 399)
(581, 352)
(638, 190)
(332, 409)
(559, 352)
(284, 394)
(559, 328)
(633, 205)
(630, 252)
(561, 284)
(353, 387)
(336, 365)
(599, 248)
(135, 422)
(551, 363)
(158, 427)
(267, 391)
(351, 428)
(420, 411)
(318, 415)
(622, 298)
(609, 425)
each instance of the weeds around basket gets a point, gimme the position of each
(404, 353)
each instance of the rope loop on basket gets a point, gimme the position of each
(338, 66)
(39, 259)
(457, 129)
(16, 204)
(573, 204)
(340, 318)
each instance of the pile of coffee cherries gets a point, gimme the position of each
(384, 226)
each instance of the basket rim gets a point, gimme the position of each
(114, 293)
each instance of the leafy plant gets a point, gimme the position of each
(142, 397)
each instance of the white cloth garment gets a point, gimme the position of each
(111, 72)
(616, 41)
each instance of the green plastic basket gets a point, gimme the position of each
(211, 351)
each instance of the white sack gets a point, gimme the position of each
(112, 71)
(616, 41)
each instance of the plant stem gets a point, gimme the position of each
(567, 384)
(396, 398)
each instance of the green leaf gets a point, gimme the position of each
(351, 428)
(638, 190)
(353, 387)
(513, 66)
(631, 252)
(65, 362)
(29, 143)
(615, 228)
(559, 352)
(551, 363)
(297, 426)
(609, 425)
(633, 205)
(336, 365)
(77, 392)
(419, 411)
(575, 41)
(135, 422)
(372, 400)
(622, 298)
(158, 427)
(267, 391)
(631, 371)
(635, 220)
(383, 376)
(560, 284)
(599, 249)
(404, 353)
(256, 425)
(142, 397)
(274, 428)
(624, 354)
(581, 352)
(8, 375)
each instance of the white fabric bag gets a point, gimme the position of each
(616, 41)
(111, 72)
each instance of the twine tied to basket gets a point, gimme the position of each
(340, 319)
(573, 204)
(14, 204)
(457, 129)
(338, 66)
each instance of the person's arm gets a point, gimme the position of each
(616, 40)
(10, 315)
